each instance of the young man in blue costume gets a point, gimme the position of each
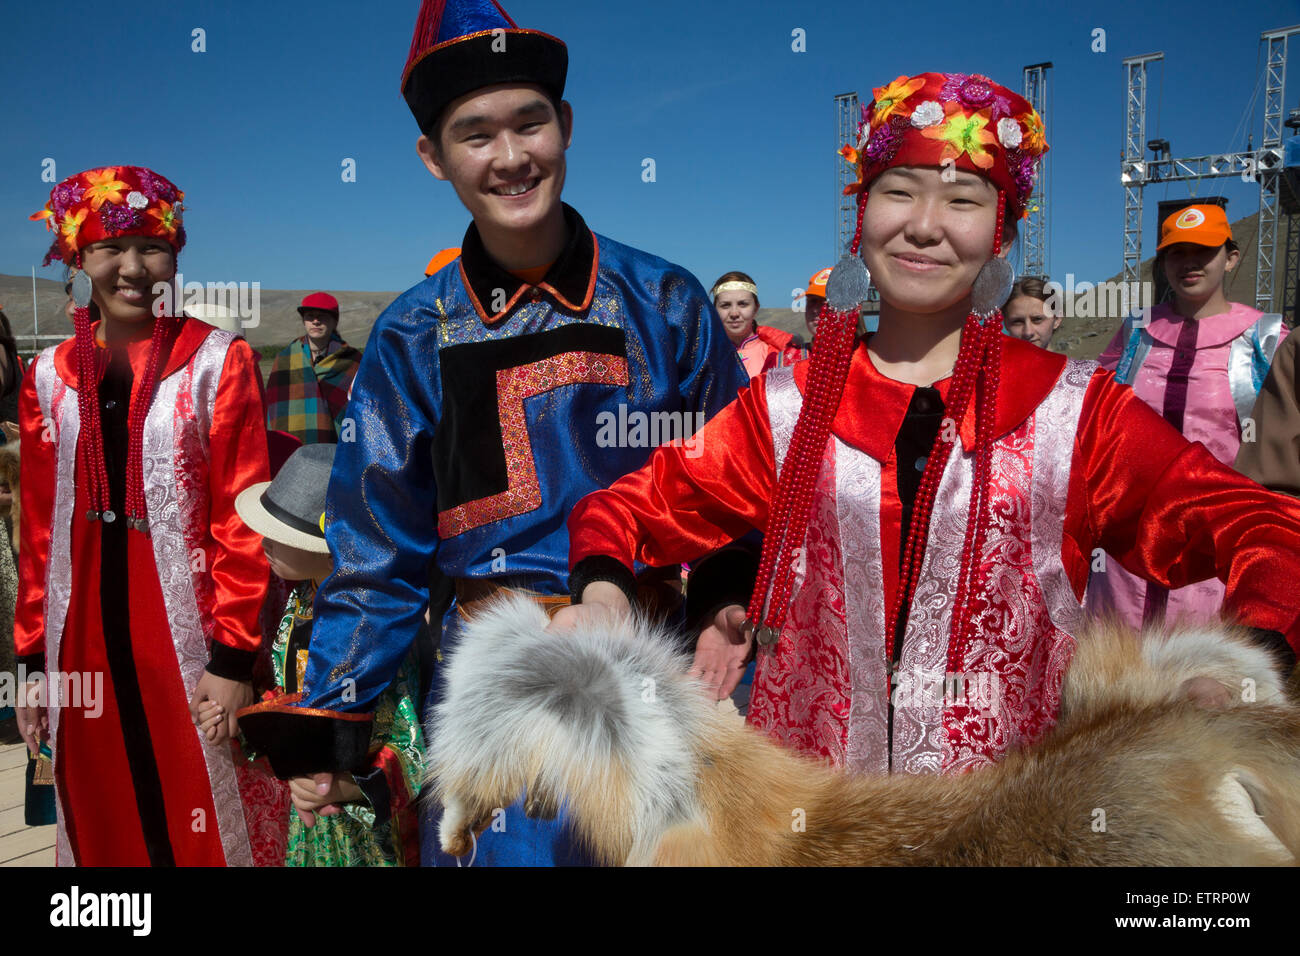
(491, 398)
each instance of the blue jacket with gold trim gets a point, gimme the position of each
(484, 408)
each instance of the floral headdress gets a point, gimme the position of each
(99, 204)
(934, 119)
(108, 202)
(965, 122)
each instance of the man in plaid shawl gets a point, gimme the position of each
(312, 376)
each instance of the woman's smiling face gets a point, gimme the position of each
(123, 272)
(926, 233)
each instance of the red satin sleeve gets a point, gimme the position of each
(238, 458)
(1171, 512)
(38, 452)
(690, 498)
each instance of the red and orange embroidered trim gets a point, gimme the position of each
(523, 493)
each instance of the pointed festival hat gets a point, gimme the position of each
(463, 45)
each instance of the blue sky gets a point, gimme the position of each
(741, 128)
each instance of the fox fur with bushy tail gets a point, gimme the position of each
(603, 721)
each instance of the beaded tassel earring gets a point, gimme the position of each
(89, 370)
(787, 524)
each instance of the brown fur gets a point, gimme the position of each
(1128, 745)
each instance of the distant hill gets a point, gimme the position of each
(278, 311)
(1081, 337)
(1078, 337)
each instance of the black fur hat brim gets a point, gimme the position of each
(450, 70)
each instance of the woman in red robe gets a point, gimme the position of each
(140, 587)
(934, 495)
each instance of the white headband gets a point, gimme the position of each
(735, 286)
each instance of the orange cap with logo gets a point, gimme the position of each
(817, 284)
(1205, 225)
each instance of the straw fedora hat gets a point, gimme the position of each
(291, 509)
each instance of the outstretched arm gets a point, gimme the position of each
(1170, 512)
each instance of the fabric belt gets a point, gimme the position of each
(472, 594)
(658, 594)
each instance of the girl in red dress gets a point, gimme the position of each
(140, 587)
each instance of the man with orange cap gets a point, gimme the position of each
(1199, 362)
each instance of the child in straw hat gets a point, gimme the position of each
(366, 818)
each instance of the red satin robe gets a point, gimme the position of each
(195, 585)
(1136, 489)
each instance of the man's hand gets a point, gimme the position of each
(33, 721)
(322, 793)
(229, 695)
(600, 601)
(721, 652)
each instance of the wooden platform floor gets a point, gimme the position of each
(20, 845)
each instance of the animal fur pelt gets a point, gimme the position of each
(603, 721)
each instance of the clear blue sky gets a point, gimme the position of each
(741, 128)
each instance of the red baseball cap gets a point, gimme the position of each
(319, 300)
(1205, 225)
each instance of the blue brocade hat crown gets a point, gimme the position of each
(463, 45)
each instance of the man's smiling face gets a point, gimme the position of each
(502, 149)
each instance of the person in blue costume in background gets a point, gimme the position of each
(541, 364)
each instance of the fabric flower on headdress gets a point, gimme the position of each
(118, 219)
(1009, 133)
(976, 92)
(127, 200)
(885, 140)
(890, 99)
(851, 155)
(156, 188)
(1035, 138)
(168, 218)
(71, 224)
(964, 134)
(102, 185)
(929, 113)
(961, 119)
(1022, 171)
(66, 195)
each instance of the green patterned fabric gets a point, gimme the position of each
(351, 838)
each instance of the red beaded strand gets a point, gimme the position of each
(91, 442)
(979, 517)
(136, 511)
(91, 364)
(787, 523)
(972, 378)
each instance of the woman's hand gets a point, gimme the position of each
(33, 720)
(229, 695)
(600, 601)
(722, 652)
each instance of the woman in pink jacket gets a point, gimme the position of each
(1199, 361)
